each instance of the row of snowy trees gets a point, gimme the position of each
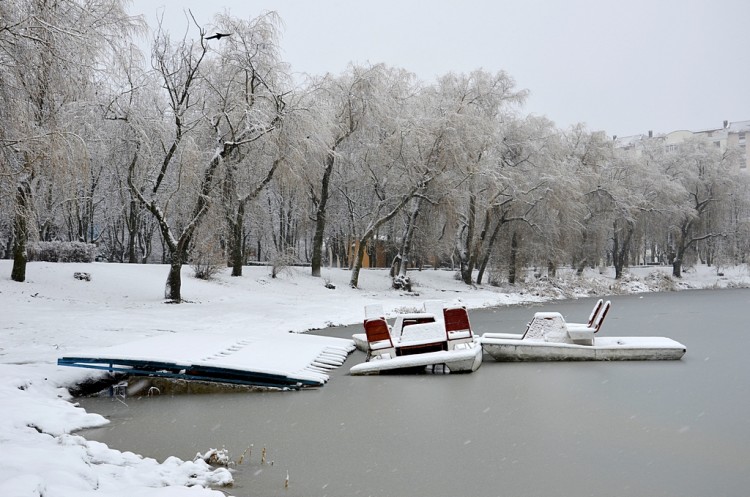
(208, 148)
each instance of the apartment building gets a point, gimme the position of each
(729, 135)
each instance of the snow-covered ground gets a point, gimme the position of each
(53, 314)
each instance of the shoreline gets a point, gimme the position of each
(52, 313)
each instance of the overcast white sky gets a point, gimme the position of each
(624, 66)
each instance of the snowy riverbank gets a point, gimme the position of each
(52, 314)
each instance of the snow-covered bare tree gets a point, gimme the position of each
(635, 190)
(340, 104)
(516, 185)
(384, 170)
(428, 127)
(477, 107)
(50, 55)
(737, 211)
(168, 161)
(587, 157)
(250, 91)
(707, 177)
(128, 104)
(217, 107)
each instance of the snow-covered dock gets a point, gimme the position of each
(282, 361)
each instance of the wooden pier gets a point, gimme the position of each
(275, 360)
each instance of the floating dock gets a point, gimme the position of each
(277, 361)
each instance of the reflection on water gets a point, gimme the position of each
(533, 429)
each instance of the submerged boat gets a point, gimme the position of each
(438, 338)
(549, 338)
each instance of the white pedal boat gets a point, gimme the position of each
(441, 340)
(549, 338)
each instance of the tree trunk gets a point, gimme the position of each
(354, 281)
(513, 258)
(677, 268)
(174, 280)
(405, 253)
(488, 250)
(466, 272)
(466, 251)
(237, 241)
(237, 254)
(551, 269)
(320, 216)
(21, 232)
(395, 266)
(145, 239)
(621, 246)
(617, 261)
(235, 218)
(681, 248)
(580, 258)
(678, 258)
(132, 232)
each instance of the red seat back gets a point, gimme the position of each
(377, 330)
(600, 317)
(456, 319)
(595, 313)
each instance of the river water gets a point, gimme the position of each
(662, 428)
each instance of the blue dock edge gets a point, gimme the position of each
(191, 372)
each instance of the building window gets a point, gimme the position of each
(717, 144)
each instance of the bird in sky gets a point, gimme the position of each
(218, 36)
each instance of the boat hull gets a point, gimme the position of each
(603, 349)
(460, 360)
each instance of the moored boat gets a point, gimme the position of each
(549, 338)
(438, 337)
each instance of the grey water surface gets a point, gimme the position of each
(655, 428)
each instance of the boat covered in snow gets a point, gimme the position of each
(435, 338)
(549, 338)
